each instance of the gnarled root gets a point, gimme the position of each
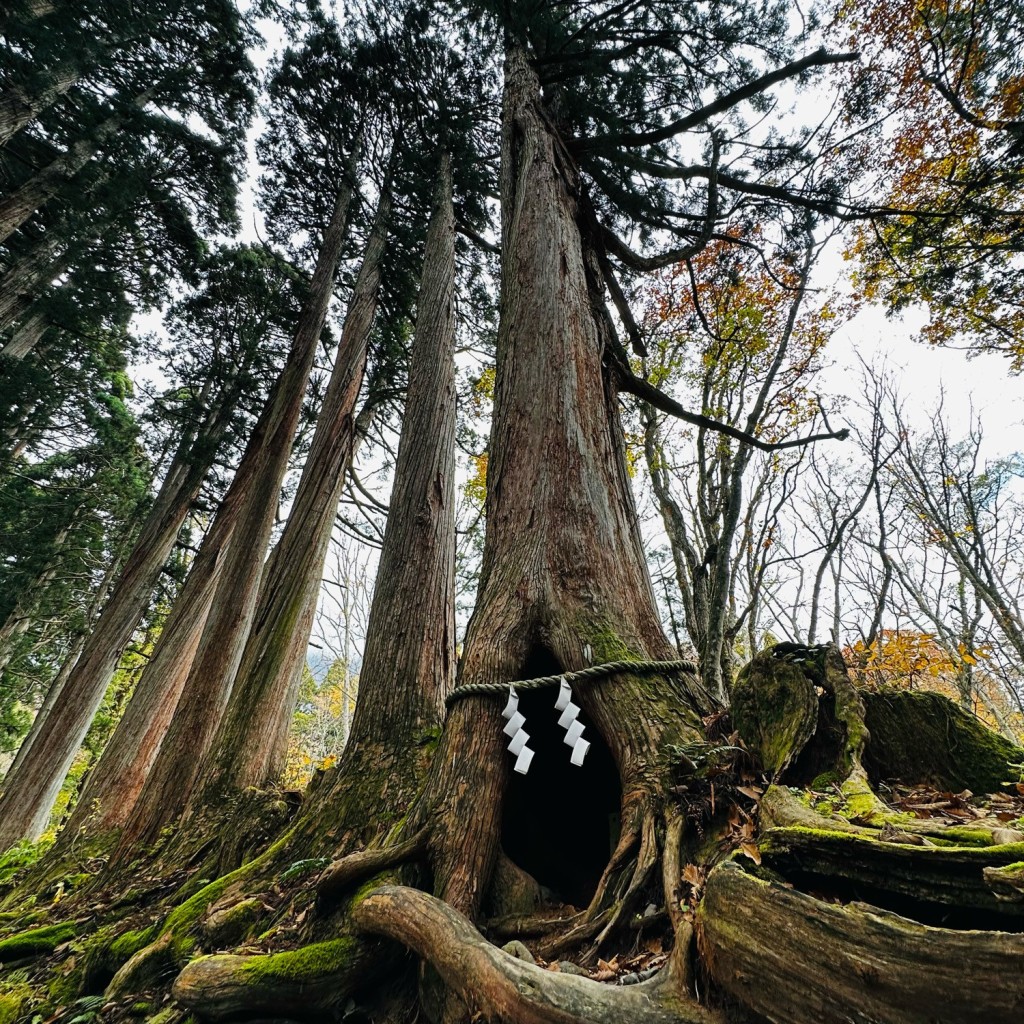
(501, 988)
(353, 868)
(798, 960)
(309, 981)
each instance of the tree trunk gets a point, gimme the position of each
(29, 793)
(255, 490)
(23, 202)
(246, 751)
(113, 786)
(408, 666)
(70, 660)
(26, 337)
(563, 582)
(25, 281)
(19, 108)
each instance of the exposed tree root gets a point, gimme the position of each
(799, 960)
(933, 876)
(501, 988)
(301, 984)
(348, 870)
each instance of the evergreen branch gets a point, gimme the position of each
(819, 58)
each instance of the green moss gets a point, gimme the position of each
(384, 878)
(181, 922)
(305, 964)
(606, 643)
(21, 855)
(429, 739)
(775, 709)
(36, 941)
(963, 836)
(126, 945)
(13, 1003)
(922, 737)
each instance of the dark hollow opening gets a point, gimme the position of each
(824, 750)
(560, 821)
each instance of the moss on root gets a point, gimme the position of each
(36, 941)
(922, 737)
(304, 964)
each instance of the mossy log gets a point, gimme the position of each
(303, 983)
(799, 960)
(36, 941)
(496, 986)
(922, 881)
(924, 738)
(1007, 882)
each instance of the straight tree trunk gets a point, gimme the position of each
(113, 786)
(408, 663)
(20, 616)
(29, 793)
(406, 672)
(70, 660)
(564, 582)
(255, 490)
(23, 202)
(246, 751)
(25, 281)
(26, 337)
(19, 108)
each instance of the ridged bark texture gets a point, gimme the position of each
(19, 206)
(26, 337)
(563, 567)
(245, 751)
(255, 490)
(19, 108)
(113, 786)
(25, 281)
(411, 630)
(409, 658)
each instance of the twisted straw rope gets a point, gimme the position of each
(611, 668)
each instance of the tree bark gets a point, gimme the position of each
(407, 670)
(25, 281)
(29, 792)
(23, 202)
(563, 572)
(26, 337)
(19, 108)
(255, 490)
(113, 786)
(799, 960)
(246, 751)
